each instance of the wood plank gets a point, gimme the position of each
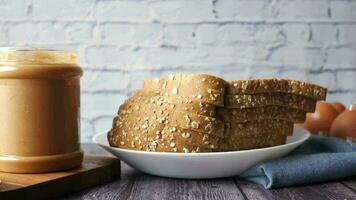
(96, 169)
(90, 162)
(334, 190)
(298, 192)
(153, 187)
(350, 183)
(119, 189)
(136, 185)
(255, 191)
(8, 186)
(321, 191)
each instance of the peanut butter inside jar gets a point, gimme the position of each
(40, 110)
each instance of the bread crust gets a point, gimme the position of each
(162, 138)
(255, 134)
(178, 103)
(200, 87)
(154, 146)
(259, 113)
(255, 86)
(149, 113)
(270, 99)
(257, 127)
(266, 139)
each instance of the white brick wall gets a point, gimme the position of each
(122, 42)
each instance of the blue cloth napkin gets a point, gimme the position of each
(318, 159)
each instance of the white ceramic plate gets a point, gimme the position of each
(201, 165)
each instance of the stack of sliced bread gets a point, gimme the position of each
(261, 113)
(203, 113)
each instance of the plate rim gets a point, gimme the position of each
(306, 136)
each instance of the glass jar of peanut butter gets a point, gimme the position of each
(40, 110)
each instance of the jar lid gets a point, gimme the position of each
(38, 63)
(28, 55)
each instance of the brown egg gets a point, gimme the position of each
(344, 125)
(321, 119)
(339, 107)
(352, 107)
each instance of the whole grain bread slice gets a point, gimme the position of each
(255, 134)
(151, 113)
(160, 140)
(270, 99)
(200, 87)
(130, 128)
(258, 126)
(178, 103)
(265, 139)
(255, 86)
(258, 113)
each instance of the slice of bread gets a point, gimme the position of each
(150, 141)
(270, 99)
(266, 139)
(258, 113)
(258, 126)
(157, 137)
(151, 113)
(255, 86)
(255, 134)
(178, 103)
(200, 87)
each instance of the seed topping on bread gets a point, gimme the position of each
(191, 113)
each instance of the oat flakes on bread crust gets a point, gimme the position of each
(258, 113)
(255, 86)
(179, 103)
(168, 116)
(133, 124)
(149, 143)
(270, 99)
(157, 137)
(256, 127)
(255, 134)
(267, 139)
(200, 87)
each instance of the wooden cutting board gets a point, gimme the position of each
(95, 170)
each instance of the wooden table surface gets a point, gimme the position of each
(136, 185)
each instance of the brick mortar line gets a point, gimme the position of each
(278, 43)
(218, 21)
(157, 68)
(99, 117)
(195, 45)
(119, 69)
(104, 92)
(233, 44)
(235, 65)
(353, 69)
(341, 91)
(107, 44)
